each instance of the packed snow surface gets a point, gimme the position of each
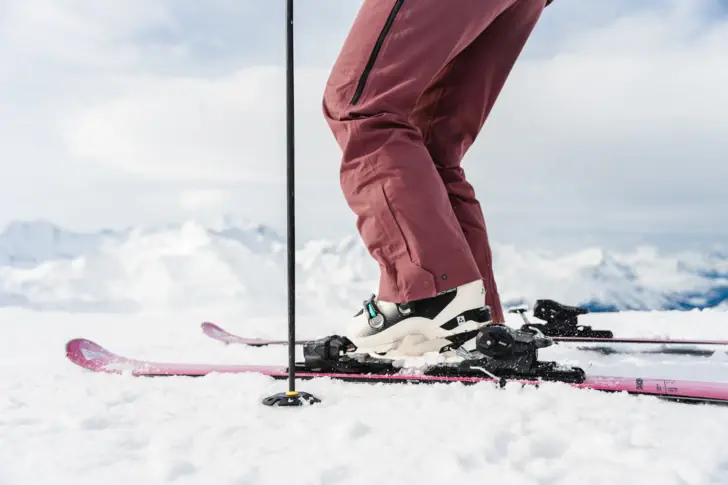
(61, 424)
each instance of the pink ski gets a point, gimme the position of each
(642, 340)
(92, 356)
(218, 333)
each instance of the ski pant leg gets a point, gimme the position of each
(394, 51)
(451, 113)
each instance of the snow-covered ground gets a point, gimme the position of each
(60, 424)
(143, 293)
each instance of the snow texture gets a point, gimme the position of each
(143, 292)
(63, 425)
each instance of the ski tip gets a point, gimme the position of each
(75, 346)
(210, 326)
(88, 354)
(216, 332)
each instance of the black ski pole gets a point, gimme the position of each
(291, 397)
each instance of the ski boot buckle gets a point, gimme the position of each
(375, 317)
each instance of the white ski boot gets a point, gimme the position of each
(437, 324)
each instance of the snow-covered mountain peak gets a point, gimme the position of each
(27, 243)
(232, 260)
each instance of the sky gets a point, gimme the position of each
(612, 129)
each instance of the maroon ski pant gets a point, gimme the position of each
(407, 96)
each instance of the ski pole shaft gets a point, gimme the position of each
(291, 209)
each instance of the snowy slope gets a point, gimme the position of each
(235, 262)
(62, 425)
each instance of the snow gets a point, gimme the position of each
(229, 259)
(142, 293)
(61, 424)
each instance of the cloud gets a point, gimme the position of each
(223, 129)
(620, 127)
(204, 199)
(190, 128)
(613, 120)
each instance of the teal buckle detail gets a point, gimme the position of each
(370, 308)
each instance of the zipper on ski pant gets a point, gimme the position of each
(375, 52)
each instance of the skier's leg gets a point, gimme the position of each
(452, 112)
(393, 53)
(394, 50)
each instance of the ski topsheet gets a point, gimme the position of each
(218, 333)
(92, 356)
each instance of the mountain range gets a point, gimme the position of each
(231, 261)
